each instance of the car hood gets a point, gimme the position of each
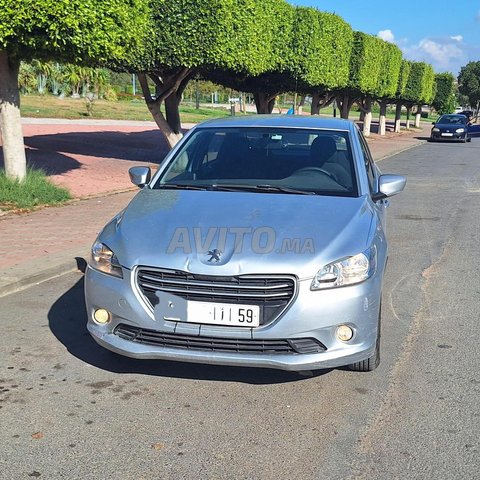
(449, 126)
(233, 233)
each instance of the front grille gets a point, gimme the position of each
(214, 344)
(270, 292)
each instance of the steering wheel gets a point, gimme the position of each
(318, 170)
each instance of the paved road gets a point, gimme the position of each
(73, 410)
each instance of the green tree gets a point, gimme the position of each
(469, 83)
(322, 48)
(194, 35)
(77, 31)
(419, 89)
(363, 85)
(444, 101)
(388, 81)
(400, 92)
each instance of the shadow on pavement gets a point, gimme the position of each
(67, 321)
(148, 145)
(51, 162)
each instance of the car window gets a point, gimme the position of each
(368, 162)
(452, 119)
(318, 161)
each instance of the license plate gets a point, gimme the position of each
(447, 134)
(228, 314)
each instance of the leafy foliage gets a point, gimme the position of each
(444, 101)
(77, 31)
(420, 84)
(469, 82)
(321, 45)
(366, 64)
(231, 34)
(403, 78)
(390, 71)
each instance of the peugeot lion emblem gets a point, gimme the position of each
(215, 255)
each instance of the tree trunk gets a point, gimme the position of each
(418, 116)
(321, 100)
(345, 103)
(382, 120)
(301, 104)
(10, 120)
(264, 102)
(172, 113)
(153, 105)
(169, 89)
(367, 119)
(398, 118)
(409, 110)
(316, 101)
(171, 137)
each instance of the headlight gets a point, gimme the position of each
(459, 130)
(349, 271)
(105, 260)
(435, 129)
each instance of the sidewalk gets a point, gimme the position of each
(52, 241)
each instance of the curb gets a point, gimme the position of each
(21, 277)
(391, 154)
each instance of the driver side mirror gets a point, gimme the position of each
(389, 185)
(140, 176)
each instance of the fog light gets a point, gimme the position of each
(101, 315)
(344, 333)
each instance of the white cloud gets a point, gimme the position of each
(386, 35)
(457, 38)
(445, 54)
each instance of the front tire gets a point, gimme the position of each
(371, 363)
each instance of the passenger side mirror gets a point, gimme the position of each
(140, 176)
(389, 185)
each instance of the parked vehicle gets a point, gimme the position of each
(451, 127)
(260, 241)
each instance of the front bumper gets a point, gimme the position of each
(314, 315)
(455, 137)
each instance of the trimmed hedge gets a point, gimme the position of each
(420, 84)
(444, 100)
(390, 71)
(322, 46)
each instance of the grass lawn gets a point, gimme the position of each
(48, 106)
(35, 191)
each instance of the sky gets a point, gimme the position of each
(444, 33)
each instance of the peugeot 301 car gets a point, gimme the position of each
(260, 241)
(451, 127)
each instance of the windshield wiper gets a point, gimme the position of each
(260, 188)
(280, 188)
(179, 186)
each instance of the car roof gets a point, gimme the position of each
(284, 121)
(452, 115)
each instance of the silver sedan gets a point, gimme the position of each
(260, 241)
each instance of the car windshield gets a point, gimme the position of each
(267, 160)
(452, 120)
